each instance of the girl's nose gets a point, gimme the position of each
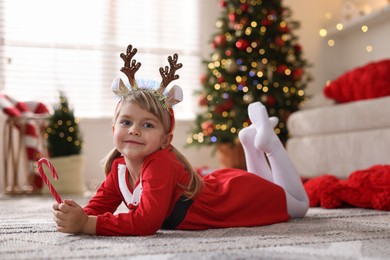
(134, 131)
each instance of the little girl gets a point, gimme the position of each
(159, 186)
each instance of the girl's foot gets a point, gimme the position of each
(247, 134)
(265, 135)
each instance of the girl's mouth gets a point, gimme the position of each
(133, 142)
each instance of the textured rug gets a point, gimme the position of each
(27, 232)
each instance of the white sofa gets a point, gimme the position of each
(338, 139)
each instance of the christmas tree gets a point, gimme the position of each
(256, 57)
(63, 135)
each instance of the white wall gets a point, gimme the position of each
(311, 15)
(349, 49)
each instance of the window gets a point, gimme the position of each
(74, 46)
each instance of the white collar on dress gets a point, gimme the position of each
(130, 198)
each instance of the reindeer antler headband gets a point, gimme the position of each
(175, 94)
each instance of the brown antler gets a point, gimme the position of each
(168, 74)
(131, 66)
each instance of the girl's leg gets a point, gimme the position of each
(283, 171)
(255, 159)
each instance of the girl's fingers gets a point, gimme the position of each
(55, 205)
(71, 203)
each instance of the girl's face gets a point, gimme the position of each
(138, 133)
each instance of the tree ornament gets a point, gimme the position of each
(202, 100)
(244, 21)
(226, 106)
(231, 66)
(281, 69)
(266, 22)
(279, 41)
(284, 28)
(228, 52)
(232, 17)
(203, 79)
(207, 127)
(220, 79)
(244, 7)
(220, 40)
(242, 44)
(270, 100)
(298, 47)
(297, 73)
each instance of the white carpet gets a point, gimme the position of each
(27, 232)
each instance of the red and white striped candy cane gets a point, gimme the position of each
(46, 180)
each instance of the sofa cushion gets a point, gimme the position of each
(339, 118)
(366, 82)
(339, 154)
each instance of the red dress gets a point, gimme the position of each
(229, 198)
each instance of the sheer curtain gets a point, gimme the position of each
(74, 46)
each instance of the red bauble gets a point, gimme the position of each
(220, 40)
(223, 3)
(266, 22)
(244, 21)
(207, 127)
(228, 52)
(203, 79)
(270, 101)
(202, 100)
(281, 69)
(297, 74)
(298, 48)
(279, 41)
(227, 106)
(242, 44)
(284, 29)
(221, 79)
(232, 17)
(244, 7)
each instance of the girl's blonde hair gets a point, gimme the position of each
(148, 101)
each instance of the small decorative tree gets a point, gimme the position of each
(63, 135)
(64, 146)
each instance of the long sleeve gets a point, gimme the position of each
(160, 175)
(107, 197)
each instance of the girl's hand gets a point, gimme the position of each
(71, 218)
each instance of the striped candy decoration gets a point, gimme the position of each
(16, 109)
(46, 180)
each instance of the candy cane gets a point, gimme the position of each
(44, 178)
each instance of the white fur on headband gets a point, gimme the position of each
(174, 96)
(119, 88)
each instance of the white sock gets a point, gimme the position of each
(255, 159)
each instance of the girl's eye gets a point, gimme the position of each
(148, 125)
(125, 122)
